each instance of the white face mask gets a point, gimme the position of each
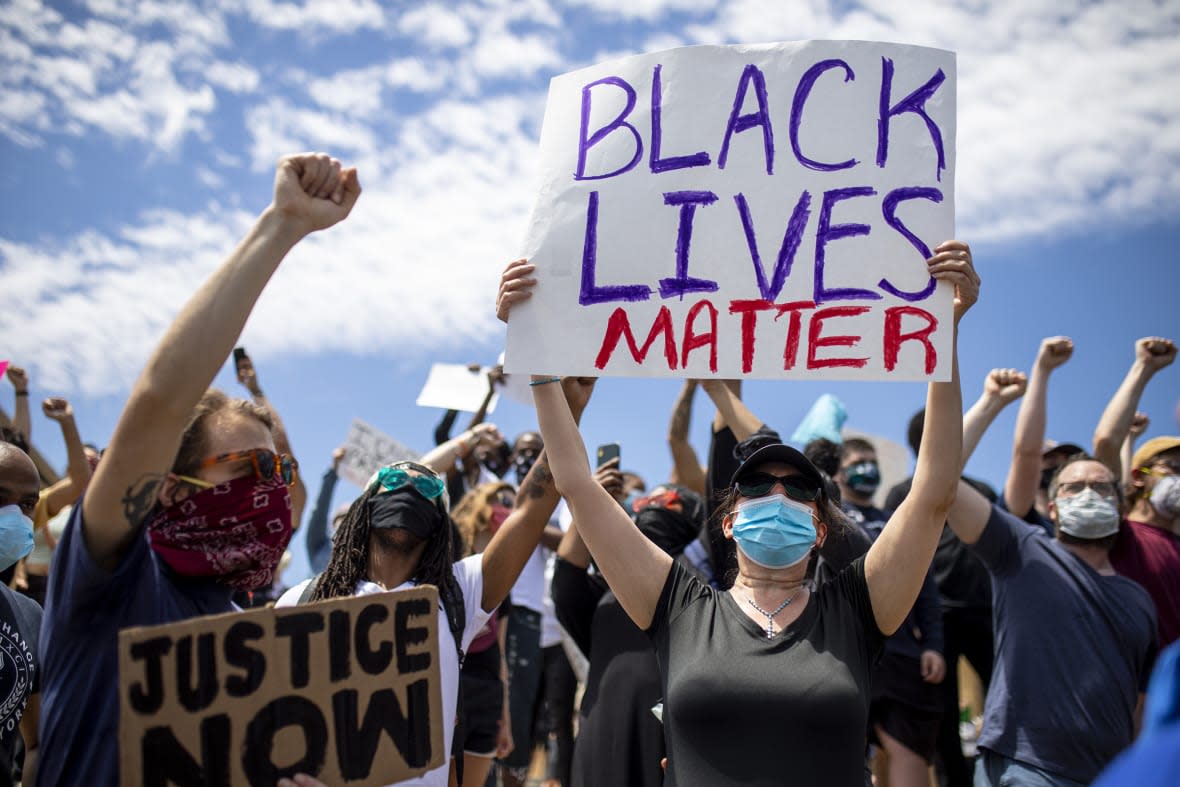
(1165, 496)
(1087, 515)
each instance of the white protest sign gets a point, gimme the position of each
(453, 386)
(744, 211)
(367, 450)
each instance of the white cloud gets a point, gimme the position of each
(234, 77)
(647, 10)
(316, 17)
(435, 25)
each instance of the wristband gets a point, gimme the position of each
(22, 393)
(544, 381)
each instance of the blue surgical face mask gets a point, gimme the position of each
(863, 477)
(774, 531)
(1087, 515)
(16, 535)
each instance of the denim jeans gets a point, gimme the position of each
(996, 770)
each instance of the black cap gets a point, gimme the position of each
(780, 452)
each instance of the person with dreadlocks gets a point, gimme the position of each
(398, 535)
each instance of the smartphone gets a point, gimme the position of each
(239, 354)
(607, 452)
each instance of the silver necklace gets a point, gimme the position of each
(770, 615)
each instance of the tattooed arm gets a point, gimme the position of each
(311, 193)
(516, 539)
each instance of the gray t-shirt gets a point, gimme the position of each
(1073, 650)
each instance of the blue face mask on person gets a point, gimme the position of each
(16, 535)
(774, 531)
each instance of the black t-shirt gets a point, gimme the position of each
(743, 709)
(963, 581)
(20, 624)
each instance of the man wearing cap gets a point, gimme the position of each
(1074, 641)
(1148, 546)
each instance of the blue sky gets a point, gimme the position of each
(139, 140)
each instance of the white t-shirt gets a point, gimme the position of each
(469, 574)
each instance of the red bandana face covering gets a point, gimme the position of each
(234, 532)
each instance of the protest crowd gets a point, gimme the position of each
(767, 615)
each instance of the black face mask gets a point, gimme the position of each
(523, 464)
(404, 508)
(670, 530)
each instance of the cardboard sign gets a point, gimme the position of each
(744, 211)
(345, 690)
(367, 450)
(454, 386)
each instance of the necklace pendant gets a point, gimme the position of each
(770, 629)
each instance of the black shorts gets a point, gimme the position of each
(483, 701)
(908, 708)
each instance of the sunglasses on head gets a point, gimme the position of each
(267, 465)
(759, 484)
(427, 484)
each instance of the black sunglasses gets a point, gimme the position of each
(797, 487)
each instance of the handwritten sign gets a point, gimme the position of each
(744, 211)
(345, 690)
(454, 386)
(367, 450)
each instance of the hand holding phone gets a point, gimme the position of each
(607, 452)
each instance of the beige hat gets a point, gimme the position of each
(1153, 448)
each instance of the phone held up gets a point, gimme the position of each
(607, 452)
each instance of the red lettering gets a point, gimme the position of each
(693, 340)
(815, 341)
(749, 311)
(794, 328)
(894, 337)
(619, 326)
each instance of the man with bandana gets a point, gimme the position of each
(906, 704)
(1075, 642)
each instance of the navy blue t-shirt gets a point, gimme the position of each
(1073, 650)
(85, 608)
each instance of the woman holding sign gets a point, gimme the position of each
(142, 547)
(768, 681)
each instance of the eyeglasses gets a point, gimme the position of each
(1103, 488)
(267, 465)
(428, 485)
(797, 487)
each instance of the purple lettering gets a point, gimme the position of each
(591, 293)
(584, 143)
(889, 209)
(739, 122)
(683, 283)
(801, 94)
(915, 102)
(672, 162)
(786, 252)
(829, 232)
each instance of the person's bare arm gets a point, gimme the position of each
(1139, 424)
(1024, 474)
(443, 457)
(28, 731)
(1151, 354)
(686, 466)
(1001, 388)
(248, 376)
(732, 411)
(895, 565)
(514, 542)
(22, 417)
(69, 489)
(572, 548)
(311, 193)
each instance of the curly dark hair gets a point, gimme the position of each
(349, 563)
